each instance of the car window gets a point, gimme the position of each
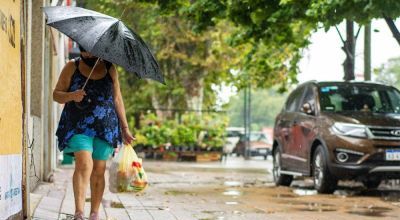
(354, 97)
(309, 96)
(233, 134)
(294, 99)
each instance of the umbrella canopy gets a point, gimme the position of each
(105, 37)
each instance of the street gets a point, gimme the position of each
(235, 189)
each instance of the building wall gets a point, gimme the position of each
(11, 110)
(35, 62)
(43, 62)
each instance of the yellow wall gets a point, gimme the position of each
(10, 78)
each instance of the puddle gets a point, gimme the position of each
(117, 205)
(237, 213)
(391, 197)
(231, 203)
(317, 207)
(215, 213)
(285, 196)
(232, 183)
(232, 193)
(345, 192)
(305, 192)
(177, 193)
(373, 211)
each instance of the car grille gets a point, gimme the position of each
(385, 133)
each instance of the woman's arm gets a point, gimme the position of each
(60, 93)
(120, 108)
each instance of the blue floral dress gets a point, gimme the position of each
(98, 120)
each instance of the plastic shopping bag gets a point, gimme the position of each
(126, 172)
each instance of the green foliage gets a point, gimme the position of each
(191, 62)
(389, 73)
(277, 30)
(207, 130)
(265, 105)
(333, 12)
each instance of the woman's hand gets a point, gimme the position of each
(78, 95)
(127, 136)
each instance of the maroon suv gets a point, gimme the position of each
(338, 130)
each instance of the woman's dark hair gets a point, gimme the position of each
(81, 48)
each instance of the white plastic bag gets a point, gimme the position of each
(126, 172)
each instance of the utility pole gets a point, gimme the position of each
(367, 52)
(247, 120)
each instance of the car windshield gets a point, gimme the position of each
(359, 98)
(258, 137)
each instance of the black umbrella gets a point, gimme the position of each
(105, 37)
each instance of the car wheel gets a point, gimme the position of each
(372, 183)
(279, 178)
(324, 182)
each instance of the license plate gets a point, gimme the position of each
(393, 155)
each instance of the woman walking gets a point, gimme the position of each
(93, 123)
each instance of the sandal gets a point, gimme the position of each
(79, 216)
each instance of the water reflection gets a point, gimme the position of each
(305, 192)
(232, 193)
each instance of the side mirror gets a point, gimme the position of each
(307, 108)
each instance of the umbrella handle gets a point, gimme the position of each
(87, 79)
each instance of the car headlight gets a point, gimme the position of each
(352, 130)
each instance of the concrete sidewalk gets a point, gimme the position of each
(233, 190)
(55, 200)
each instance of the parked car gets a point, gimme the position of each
(259, 145)
(232, 138)
(338, 130)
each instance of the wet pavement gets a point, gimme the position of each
(235, 189)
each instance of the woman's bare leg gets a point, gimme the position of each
(97, 184)
(83, 169)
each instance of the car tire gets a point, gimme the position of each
(279, 178)
(372, 183)
(324, 181)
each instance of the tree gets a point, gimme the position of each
(288, 23)
(191, 62)
(331, 13)
(265, 105)
(389, 73)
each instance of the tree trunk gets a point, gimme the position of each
(349, 49)
(393, 28)
(195, 96)
(367, 52)
(157, 107)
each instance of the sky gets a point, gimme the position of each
(323, 59)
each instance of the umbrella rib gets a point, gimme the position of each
(104, 33)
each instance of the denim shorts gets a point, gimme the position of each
(101, 150)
